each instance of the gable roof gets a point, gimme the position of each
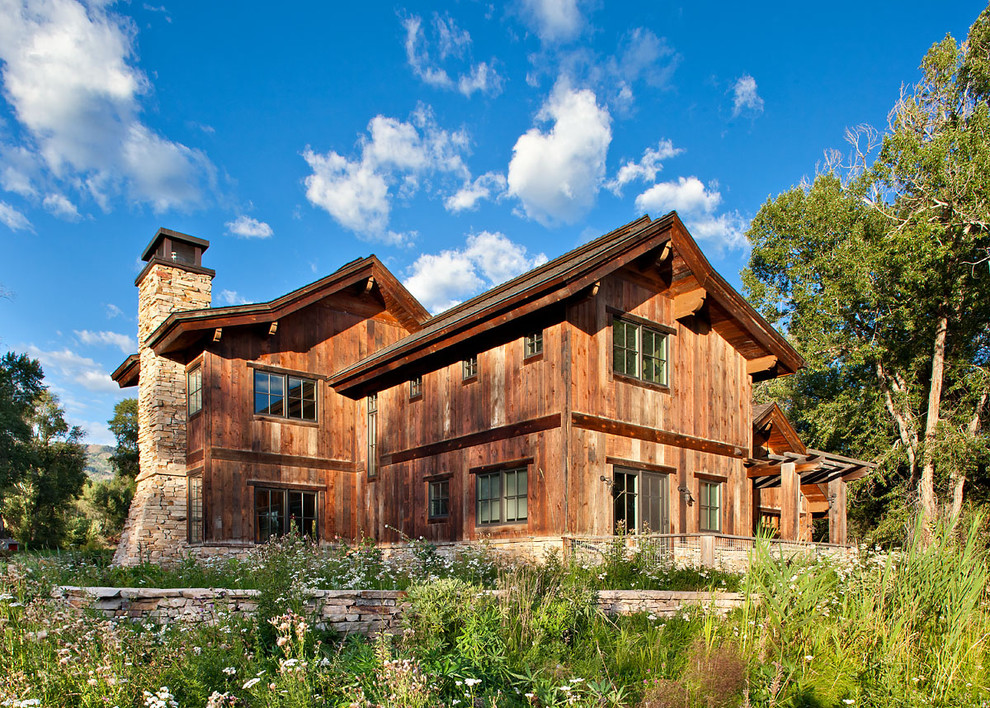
(552, 283)
(180, 329)
(782, 434)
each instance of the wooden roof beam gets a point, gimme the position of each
(764, 363)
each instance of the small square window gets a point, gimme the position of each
(416, 387)
(194, 390)
(469, 367)
(534, 344)
(440, 499)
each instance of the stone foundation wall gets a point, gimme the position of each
(347, 611)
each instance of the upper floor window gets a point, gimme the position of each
(278, 511)
(502, 496)
(194, 390)
(373, 435)
(710, 507)
(469, 367)
(534, 344)
(284, 396)
(416, 387)
(639, 351)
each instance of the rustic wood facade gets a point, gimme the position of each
(506, 417)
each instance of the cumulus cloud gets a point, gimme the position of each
(490, 185)
(450, 44)
(557, 174)
(645, 169)
(246, 227)
(356, 191)
(444, 279)
(13, 219)
(745, 97)
(69, 74)
(697, 205)
(553, 20)
(74, 368)
(124, 342)
(232, 297)
(61, 206)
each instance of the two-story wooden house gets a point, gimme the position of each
(609, 388)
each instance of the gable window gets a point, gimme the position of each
(284, 396)
(194, 390)
(533, 344)
(373, 435)
(710, 507)
(502, 496)
(279, 511)
(416, 387)
(439, 499)
(640, 501)
(639, 351)
(195, 505)
(469, 367)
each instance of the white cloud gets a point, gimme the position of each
(232, 297)
(646, 169)
(356, 192)
(124, 342)
(113, 311)
(490, 185)
(61, 206)
(246, 227)
(73, 367)
(13, 219)
(452, 43)
(557, 174)
(745, 98)
(442, 280)
(696, 205)
(69, 75)
(553, 20)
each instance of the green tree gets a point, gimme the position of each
(879, 274)
(20, 384)
(124, 426)
(111, 499)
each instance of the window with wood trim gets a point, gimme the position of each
(533, 344)
(284, 396)
(641, 503)
(194, 501)
(502, 496)
(469, 367)
(710, 506)
(639, 351)
(439, 499)
(416, 387)
(373, 435)
(279, 511)
(194, 390)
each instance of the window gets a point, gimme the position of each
(195, 505)
(710, 506)
(194, 390)
(640, 501)
(284, 396)
(278, 511)
(502, 496)
(469, 367)
(416, 387)
(440, 499)
(373, 435)
(639, 352)
(534, 344)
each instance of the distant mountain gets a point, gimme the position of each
(98, 465)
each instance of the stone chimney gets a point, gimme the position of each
(173, 280)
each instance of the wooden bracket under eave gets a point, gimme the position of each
(273, 328)
(369, 284)
(764, 363)
(689, 303)
(591, 290)
(217, 333)
(665, 254)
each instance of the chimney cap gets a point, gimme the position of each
(150, 251)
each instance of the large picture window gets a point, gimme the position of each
(194, 500)
(502, 497)
(710, 506)
(277, 511)
(194, 390)
(640, 501)
(284, 396)
(639, 351)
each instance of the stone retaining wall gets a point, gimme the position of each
(346, 611)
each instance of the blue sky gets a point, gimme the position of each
(461, 143)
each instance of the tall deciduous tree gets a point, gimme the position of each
(124, 426)
(20, 385)
(880, 275)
